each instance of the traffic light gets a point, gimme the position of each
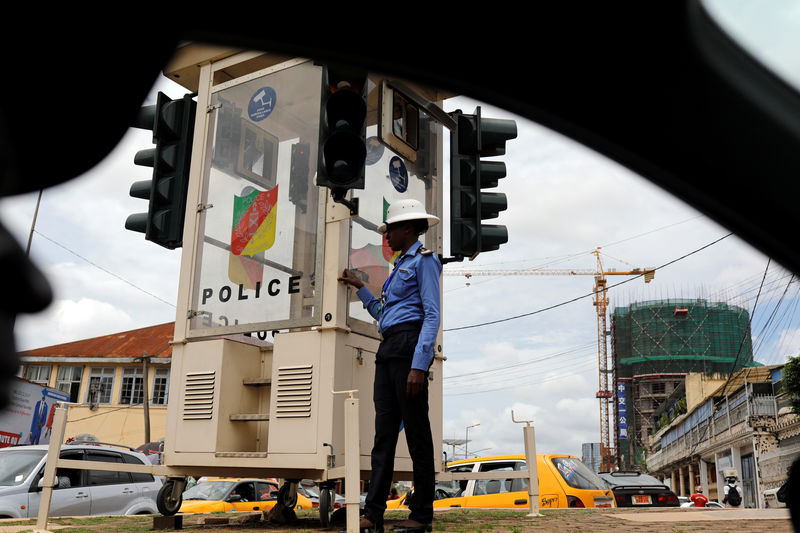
(342, 132)
(298, 176)
(172, 122)
(474, 138)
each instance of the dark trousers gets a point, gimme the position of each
(392, 406)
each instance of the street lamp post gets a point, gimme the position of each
(466, 439)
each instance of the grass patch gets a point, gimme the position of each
(24, 522)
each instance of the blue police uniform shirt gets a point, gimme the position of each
(410, 294)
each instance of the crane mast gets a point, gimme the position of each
(600, 301)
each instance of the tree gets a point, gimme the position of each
(791, 382)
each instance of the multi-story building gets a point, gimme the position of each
(655, 344)
(591, 455)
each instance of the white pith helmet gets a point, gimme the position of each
(408, 209)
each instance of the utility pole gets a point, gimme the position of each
(30, 239)
(145, 396)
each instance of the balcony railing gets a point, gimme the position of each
(728, 420)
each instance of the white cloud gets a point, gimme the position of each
(789, 344)
(69, 320)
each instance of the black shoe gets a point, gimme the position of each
(374, 528)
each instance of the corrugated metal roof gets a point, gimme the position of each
(753, 374)
(153, 341)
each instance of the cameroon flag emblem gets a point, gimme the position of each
(254, 221)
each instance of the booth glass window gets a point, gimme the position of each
(390, 177)
(259, 244)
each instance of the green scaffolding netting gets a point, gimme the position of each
(680, 335)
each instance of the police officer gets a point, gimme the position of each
(408, 314)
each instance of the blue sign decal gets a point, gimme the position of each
(374, 150)
(398, 174)
(262, 104)
(622, 410)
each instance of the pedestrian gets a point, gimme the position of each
(698, 498)
(408, 314)
(733, 493)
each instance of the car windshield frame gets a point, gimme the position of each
(16, 465)
(639, 480)
(209, 491)
(312, 491)
(577, 475)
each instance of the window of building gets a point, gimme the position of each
(658, 388)
(160, 386)
(39, 374)
(69, 380)
(131, 391)
(101, 381)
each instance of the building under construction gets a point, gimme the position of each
(654, 345)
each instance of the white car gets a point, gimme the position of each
(79, 492)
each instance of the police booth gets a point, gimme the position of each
(265, 335)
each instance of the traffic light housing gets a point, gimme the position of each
(473, 139)
(172, 122)
(342, 149)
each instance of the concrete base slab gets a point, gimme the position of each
(168, 522)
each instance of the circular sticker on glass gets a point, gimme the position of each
(398, 174)
(374, 150)
(261, 104)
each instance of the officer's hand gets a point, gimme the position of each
(416, 379)
(349, 278)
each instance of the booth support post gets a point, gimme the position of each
(49, 479)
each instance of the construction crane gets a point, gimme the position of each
(604, 393)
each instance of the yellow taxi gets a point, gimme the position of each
(564, 481)
(234, 494)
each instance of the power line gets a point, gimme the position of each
(103, 412)
(744, 335)
(76, 254)
(554, 306)
(738, 354)
(567, 363)
(523, 363)
(587, 366)
(652, 231)
(563, 258)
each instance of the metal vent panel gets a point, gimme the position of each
(198, 395)
(293, 391)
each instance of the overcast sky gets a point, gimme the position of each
(564, 202)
